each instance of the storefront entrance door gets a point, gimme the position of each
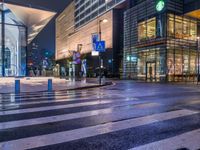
(150, 71)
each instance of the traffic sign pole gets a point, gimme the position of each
(100, 47)
(100, 53)
(99, 68)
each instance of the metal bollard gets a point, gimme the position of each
(50, 85)
(104, 80)
(17, 86)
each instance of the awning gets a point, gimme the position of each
(34, 19)
(194, 14)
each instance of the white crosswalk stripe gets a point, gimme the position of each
(177, 142)
(115, 115)
(60, 137)
(9, 112)
(58, 99)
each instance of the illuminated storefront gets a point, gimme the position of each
(163, 41)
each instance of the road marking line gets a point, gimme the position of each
(25, 99)
(66, 136)
(89, 97)
(29, 110)
(188, 140)
(46, 101)
(116, 114)
(42, 120)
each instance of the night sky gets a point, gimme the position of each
(46, 38)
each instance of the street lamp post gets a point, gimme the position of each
(99, 25)
(198, 44)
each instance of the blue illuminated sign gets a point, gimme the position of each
(100, 46)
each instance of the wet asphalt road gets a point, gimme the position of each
(127, 115)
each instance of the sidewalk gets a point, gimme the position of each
(37, 84)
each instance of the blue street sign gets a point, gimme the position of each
(95, 38)
(100, 46)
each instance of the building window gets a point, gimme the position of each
(170, 25)
(147, 29)
(142, 31)
(178, 27)
(170, 62)
(186, 29)
(151, 28)
(181, 27)
(193, 31)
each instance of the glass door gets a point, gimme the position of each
(151, 71)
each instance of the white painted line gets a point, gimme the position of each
(66, 136)
(115, 115)
(24, 99)
(189, 140)
(29, 110)
(21, 103)
(56, 99)
(42, 120)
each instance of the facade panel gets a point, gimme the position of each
(13, 45)
(89, 9)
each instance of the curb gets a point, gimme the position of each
(89, 87)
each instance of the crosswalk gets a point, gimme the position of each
(94, 119)
(189, 139)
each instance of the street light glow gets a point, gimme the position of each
(105, 20)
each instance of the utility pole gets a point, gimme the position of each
(198, 44)
(100, 59)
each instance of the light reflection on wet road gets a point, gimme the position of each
(122, 116)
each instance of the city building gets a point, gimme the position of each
(152, 40)
(19, 26)
(161, 40)
(82, 20)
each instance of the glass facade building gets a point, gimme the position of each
(19, 25)
(86, 10)
(160, 45)
(13, 44)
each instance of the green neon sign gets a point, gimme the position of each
(160, 5)
(128, 58)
